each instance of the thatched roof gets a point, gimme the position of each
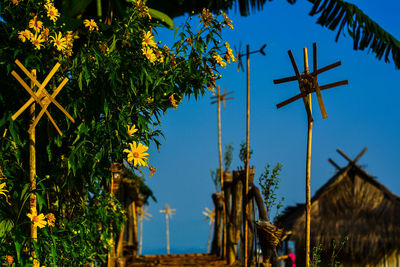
(353, 204)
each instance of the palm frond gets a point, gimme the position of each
(340, 16)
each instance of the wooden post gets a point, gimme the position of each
(308, 165)
(141, 235)
(221, 171)
(216, 243)
(236, 216)
(246, 184)
(32, 169)
(135, 229)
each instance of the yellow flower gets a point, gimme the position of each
(227, 21)
(59, 41)
(229, 53)
(91, 24)
(15, 2)
(51, 219)
(38, 220)
(150, 100)
(70, 37)
(37, 41)
(35, 24)
(152, 171)
(149, 54)
(219, 60)
(173, 101)
(45, 34)
(24, 35)
(148, 39)
(52, 12)
(9, 259)
(132, 130)
(159, 55)
(136, 154)
(206, 17)
(4, 191)
(143, 9)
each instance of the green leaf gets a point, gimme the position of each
(162, 17)
(5, 227)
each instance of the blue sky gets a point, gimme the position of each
(361, 114)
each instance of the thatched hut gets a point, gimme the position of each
(355, 205)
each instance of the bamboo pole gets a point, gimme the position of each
(246, 185)
(32, 170)
(221, 171)
(141, 235)
(308, 167)
(167, 231)
(135, 231)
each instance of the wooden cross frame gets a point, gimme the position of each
(41, 96)
(308, 83)
(351, 161)
(221, 97)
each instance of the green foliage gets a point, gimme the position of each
(112, 85)
(316, 256)
(316, 259)
(216, 178)
(243, 152)
(228, 156)
(269, 183)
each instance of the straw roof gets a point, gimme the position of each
(351, 204)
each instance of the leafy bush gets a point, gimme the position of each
(119, 77)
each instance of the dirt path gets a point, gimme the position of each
(178, 260)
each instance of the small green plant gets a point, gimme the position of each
(242, 152)
(336, 251)
(228, 156)
(316, 256)
(269, 183)
(333, 262)
(215, 177)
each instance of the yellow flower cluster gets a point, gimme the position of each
(150, 49)
(143, 9)
(206, 17)
(219, 60)
(229, 54)
(172, 100)
(9, 259)
(40, 220)
(40, 34)
(227, 21)
(136, 154)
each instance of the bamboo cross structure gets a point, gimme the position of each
(168, 213)
(247, 167)
(218, 99)
(143, 214)
(43, 98)
(351, 161)
(308, 83)
(210, 216)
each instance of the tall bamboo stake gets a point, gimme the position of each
(167, 231)
(221, 171)
(308, 83)
(246, 186)
(308, 165)
(168, 212)
(32, 169)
